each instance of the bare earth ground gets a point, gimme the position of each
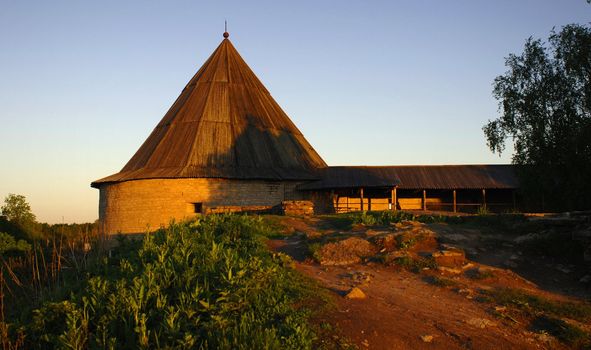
(414, 310)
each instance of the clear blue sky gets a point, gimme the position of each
(82, 83)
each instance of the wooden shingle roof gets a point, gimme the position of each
(224, 124)
(417, 177)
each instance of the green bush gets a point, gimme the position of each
(9, 245)
(482, 211)
(386, 217)
(210, 283)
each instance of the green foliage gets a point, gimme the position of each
(415, 264)
(545, 104)
(17, 210)
(441, 281)
(367, 219)
(482, 211)
(405, 241)
(479, 274)
(382, 218)
(9, 245)
(210, 283)
(18, 221)
(546, 314)
(314, 250)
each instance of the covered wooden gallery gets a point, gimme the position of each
(457, 188)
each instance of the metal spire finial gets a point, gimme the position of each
(226, 34)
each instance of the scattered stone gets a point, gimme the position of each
(355, 293)
(585, 279)
(544, 337)
(480, 323)
(455, 271)
(500, 308)
(427, 338)
(587, 254)
(297, 207)
(456, 237)
(359, 277)
(387, 242)
(467, 266)
(562, 269)
(510, 264)
(345, 252)
(449, 258)
(411, 223)
(365, 343)
(371, 233)
(528, 237)
(465, 291)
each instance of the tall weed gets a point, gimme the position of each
(209, 283)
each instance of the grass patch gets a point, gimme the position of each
(512, 224)
(441, 281)
(479, 274)
(563, 331)
(314, 251)
(337, 221)
(533, 305)
(415, 264)
(559, 245)
(546, 315)
(330, 337)
(275, 227)
(345, 221)
(408, 240)
(208, 284)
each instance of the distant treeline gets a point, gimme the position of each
(36, 230)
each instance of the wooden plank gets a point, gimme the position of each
(410, 203)
(455, 203)
(424, 199)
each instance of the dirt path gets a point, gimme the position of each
(402, 309)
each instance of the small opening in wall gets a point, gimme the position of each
(198, 208)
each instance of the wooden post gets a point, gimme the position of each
(514, 200)
(361, 197)
(424, 199)
(455, 203)
(369, 203)
(484, 198)
(394, 199)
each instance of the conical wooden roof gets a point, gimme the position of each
(224, 124)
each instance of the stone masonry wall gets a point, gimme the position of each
(146, 205)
